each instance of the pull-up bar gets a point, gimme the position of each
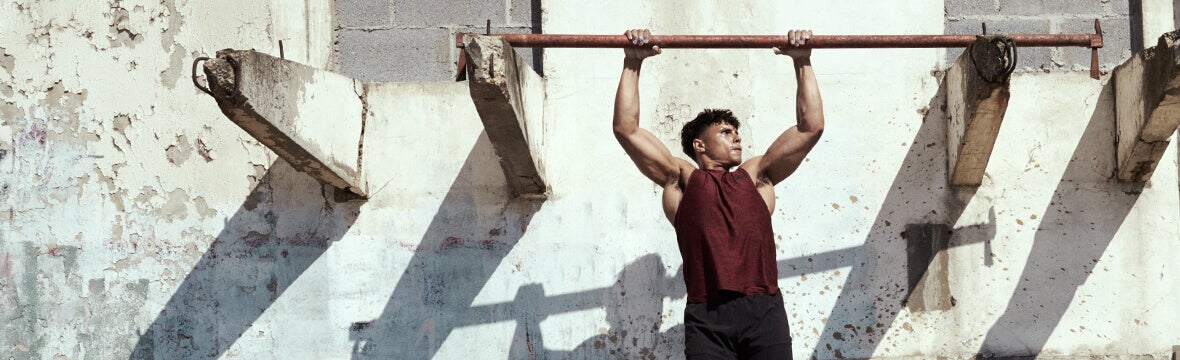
(1092, 41)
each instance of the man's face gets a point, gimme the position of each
(721, 143)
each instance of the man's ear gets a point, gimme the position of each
(698, 145)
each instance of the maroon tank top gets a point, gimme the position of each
(723, 229)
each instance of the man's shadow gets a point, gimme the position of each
(634, 310)
(287, 222)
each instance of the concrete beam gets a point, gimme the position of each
(509, 97)
(313, 119)
(1147, 107)
(977, 98)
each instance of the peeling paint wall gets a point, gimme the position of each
(138, 222)
(118, 175)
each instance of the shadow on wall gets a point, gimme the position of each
(872, 294)
(458, 255)
(284, 225)
(634, 311)
(459, 252)
(1083, 217)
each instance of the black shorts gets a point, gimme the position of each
(738, 327)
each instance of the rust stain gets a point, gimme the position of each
(452, 242)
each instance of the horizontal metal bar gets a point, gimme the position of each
(768, 41)
(1092, 41)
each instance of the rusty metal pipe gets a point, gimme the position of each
(769, 41)
(1092, 41)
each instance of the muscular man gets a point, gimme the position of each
(721, 209)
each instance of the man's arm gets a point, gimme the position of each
(649, 154)
(786, 153)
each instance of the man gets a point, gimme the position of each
(722, 217)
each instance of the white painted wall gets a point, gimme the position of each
(138, 221)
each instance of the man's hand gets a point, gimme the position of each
(796, 38)
(639, 38)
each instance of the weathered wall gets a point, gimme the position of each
(139, 222)
(413, 40)
(119, 177)
(1121, 25)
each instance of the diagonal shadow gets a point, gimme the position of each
(471, 233)
(285, 224)
(1077, 227)
(872, 294)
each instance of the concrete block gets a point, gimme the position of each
(1147, 107)
(975, 108)
(1050, 7)
(395, 54)
(364, 13)
(525, 13)
(509, 97)
(311, 118)
(956, 8)
(1120, 7)
(1116, 40)
(418, 13)
(1028, 58)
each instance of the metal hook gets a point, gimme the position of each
(197, 83)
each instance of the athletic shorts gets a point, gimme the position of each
(737, 327)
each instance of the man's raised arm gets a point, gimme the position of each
(648, 153)
(788, 150)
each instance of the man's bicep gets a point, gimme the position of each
(786, 154)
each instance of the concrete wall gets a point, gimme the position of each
(413, 40)
(117, 177)
(139, 222)
(1121, 25)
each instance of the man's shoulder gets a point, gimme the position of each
(754, 168)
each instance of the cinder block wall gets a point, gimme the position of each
(1119, 24)
(413, 40)
(136, 221)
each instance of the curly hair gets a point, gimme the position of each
(709, 117)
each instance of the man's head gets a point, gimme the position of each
(713, 137)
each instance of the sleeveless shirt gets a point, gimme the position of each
(725, 237)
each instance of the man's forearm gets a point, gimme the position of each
(626, 118)
(808, 104)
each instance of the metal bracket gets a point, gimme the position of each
(1007, 57)
(1095, 43)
